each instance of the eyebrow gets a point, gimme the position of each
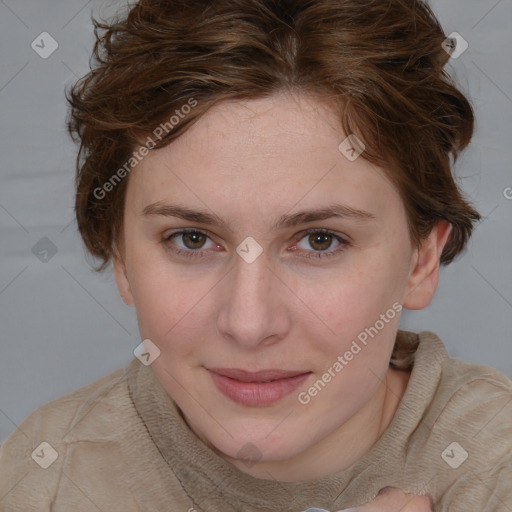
(285, 221)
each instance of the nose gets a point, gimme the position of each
(253, 309)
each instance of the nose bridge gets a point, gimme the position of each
(250, 284)
(249, 311)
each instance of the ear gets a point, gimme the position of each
(123, 284)
(425, 268)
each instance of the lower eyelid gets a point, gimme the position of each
(343, 246)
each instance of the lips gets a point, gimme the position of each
(256, 388)
(261, 376)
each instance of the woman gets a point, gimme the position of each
(271, 181)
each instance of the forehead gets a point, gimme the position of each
(275, 152)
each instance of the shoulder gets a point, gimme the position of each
(60, 417)
(464, 437)
(455, 379)
(474, 402)
(37, 454)
(469, 395)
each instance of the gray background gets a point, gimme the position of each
(64, 326)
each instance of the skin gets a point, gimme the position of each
(249, 162)
(394, 500)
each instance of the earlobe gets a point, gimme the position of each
(123, 284)
(425, 272)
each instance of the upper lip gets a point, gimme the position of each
(259, 376)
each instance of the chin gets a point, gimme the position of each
(253, 449)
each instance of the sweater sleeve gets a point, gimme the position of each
(485, 428)
(30, 470)
(66, 456)
(486, 491)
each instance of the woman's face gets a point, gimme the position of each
(248, 288)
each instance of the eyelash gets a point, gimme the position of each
(313, 255)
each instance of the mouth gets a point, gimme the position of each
(256, 388)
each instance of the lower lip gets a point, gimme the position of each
(257, 393)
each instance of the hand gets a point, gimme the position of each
(391, 499)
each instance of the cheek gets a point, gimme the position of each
(161, 304)
(357, 296)
(172, 307)
(352, 347)
(358, 313)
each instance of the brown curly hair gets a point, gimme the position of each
(380, 64)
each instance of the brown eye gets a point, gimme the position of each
(189, 243)
(320, 241)
(193, 239)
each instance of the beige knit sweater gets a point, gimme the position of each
(121, 444)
